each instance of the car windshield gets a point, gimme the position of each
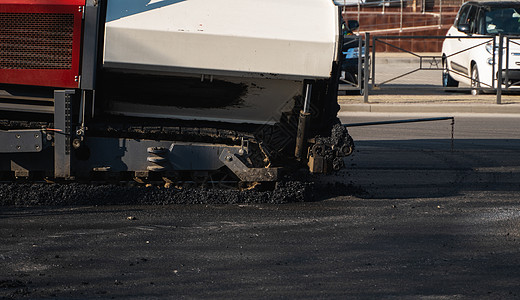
(502, 20)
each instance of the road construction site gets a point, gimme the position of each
(416, 214)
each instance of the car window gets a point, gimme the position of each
(472, 19)
(481, 22)
(503, 20)
(463, 15)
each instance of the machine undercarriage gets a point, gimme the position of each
(129, 117)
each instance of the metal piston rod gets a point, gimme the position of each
(303, 124)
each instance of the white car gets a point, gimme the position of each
(467, 52)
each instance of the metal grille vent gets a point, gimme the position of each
(36, 41)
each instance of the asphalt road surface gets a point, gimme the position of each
(423, 220)
(422, 160)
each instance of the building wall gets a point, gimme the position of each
(413, 21)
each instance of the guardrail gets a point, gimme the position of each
(504, 76)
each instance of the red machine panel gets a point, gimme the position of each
(40, 42)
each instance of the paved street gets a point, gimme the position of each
(420, 221)
(417, 160)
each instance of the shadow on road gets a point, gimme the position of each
(431, 168)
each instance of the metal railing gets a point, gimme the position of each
(501, 72)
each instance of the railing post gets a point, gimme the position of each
(361, 76)
(401, 18)
(506, 79)
(358, 9)
(493, 68)
(373, 58)
(440, 14)
(366, 67)
(500, 59)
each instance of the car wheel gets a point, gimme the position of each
(447, 80)
(475, 81)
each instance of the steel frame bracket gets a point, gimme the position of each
(243, 172)
(21, 141)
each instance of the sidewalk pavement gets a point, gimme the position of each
(449, 103)
(404, 99)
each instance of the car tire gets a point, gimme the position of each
(475, 81)
(447, 80)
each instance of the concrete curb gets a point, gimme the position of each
(404, 58)
(398, 60)
(432, 108)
